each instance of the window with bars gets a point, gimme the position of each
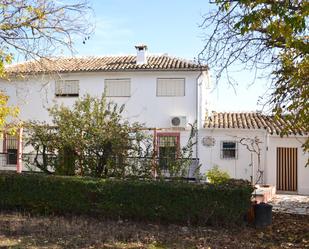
(229, 150)
(170, 87)
(10, 148)
(67, 88)
(11, 157)
(168, 146)
(117, 87)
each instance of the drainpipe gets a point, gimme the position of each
(197, 116)
(19, 165)
(265, 155)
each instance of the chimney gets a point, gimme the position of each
(141, 54)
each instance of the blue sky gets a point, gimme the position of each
(168, 26)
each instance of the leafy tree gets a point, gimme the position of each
(36, 29)
(91, 138)
(269, 35)
(40, 137)
(7, 112)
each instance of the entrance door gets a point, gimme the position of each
(286, 169)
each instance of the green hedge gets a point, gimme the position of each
(158, 201)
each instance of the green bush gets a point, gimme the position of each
(217, 176)
(157, 201)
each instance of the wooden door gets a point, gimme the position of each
(286, 169)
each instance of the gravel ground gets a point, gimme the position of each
(293, 204)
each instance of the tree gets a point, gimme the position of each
(6, 112)
(41, 139)
(37, 29)
(91, 138)
(253, 146)
(268, 35)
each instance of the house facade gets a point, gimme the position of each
(165, 94)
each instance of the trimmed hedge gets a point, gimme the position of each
(158, 201)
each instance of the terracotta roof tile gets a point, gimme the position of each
(106, 63)
(250, 120)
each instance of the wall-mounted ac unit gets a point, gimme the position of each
(179, 121)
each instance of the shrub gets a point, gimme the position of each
(154, 201)
(91, 138)
(217, 176)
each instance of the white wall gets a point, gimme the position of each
(34, 96)
(241, 167)
(302, 171)
(244, 166)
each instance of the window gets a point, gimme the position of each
(171, 87)
(67, 88)
(10, 148)
(229, 150)
(11, 156)
(168, 146)
(117, 87)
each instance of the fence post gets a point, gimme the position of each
(19, 165)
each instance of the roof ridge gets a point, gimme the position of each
(251, 120)
(93, 63)
(238, 112)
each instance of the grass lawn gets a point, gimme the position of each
(23, 231)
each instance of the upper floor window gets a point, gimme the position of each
(117, 87)
(228, 150)
(67, 88)
(170, 87)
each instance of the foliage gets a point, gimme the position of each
(40, 137)
(269, 35)
(36, 29)
(180, 166)
(93, 139)
(217, 176)
(152, 201)
(7, 112)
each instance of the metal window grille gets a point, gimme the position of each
(229, 150)
(11, 157)
(9, 150)
(67, 88)
(168, 146)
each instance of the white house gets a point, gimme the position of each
(165, 94)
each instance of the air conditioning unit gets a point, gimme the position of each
(179, 121)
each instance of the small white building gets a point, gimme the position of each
(166, 94)
(233, 141)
